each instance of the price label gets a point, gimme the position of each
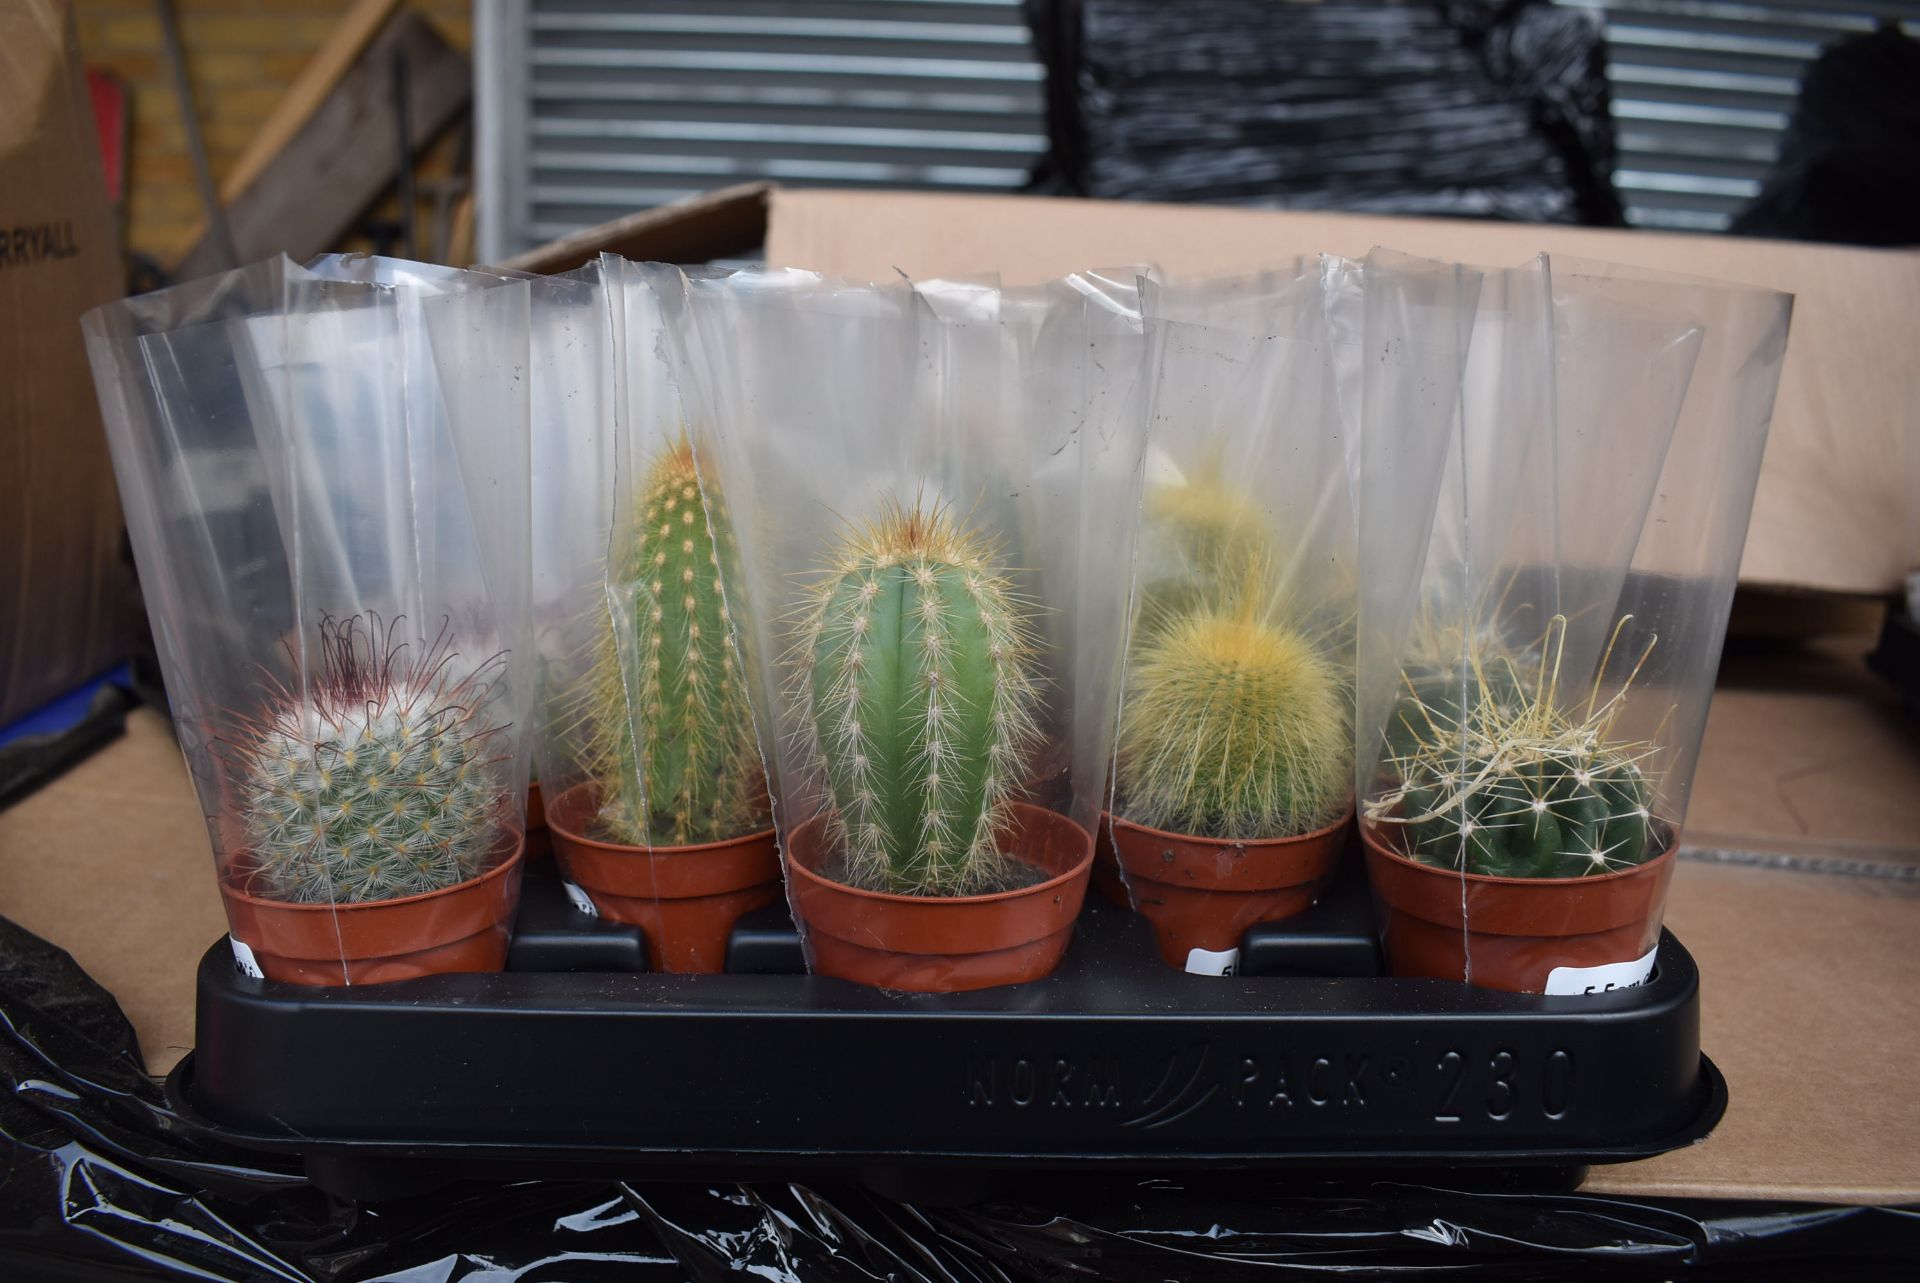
(1210, 962)
(582, 902)
(244, 961)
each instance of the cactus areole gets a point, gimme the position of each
(378, 778)
(914, 668)
(671, 736)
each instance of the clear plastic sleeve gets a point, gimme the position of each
(1233, 769)
(1536, 713)
(324, 476)
(655, 795)
(933, 493)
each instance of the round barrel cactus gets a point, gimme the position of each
(915, 667)
(1233, 728)
(1530, 816)
(1496, 776)
(379, 783)
(672, 740)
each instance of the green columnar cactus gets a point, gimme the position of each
(378, 784)
(1512, 784)
(672, 740)
(1233, 728)
(914, 663)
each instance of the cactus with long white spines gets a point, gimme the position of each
(914, 664)
(376, 780)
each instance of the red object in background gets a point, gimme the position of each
(109, 94)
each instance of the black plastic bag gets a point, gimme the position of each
(1457, 107)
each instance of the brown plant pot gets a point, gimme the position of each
(945, 944)
(1203, 893)
(539, 840)
(1510, 933)
(1106, 879)
(461, 928)
(687, 897)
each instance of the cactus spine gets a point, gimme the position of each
(1199, 544)
(1233, 727)
(672, 740)
(914, 666)
(1514, 785)
(378, 783)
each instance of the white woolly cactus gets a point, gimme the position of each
(376, 781)
(914, 664)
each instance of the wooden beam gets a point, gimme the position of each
(312, 190)
(331, 61)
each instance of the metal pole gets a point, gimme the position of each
(196, 145)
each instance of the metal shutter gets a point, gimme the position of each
(595, 108)
(1702, 90)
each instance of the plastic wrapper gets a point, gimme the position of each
(1234, 762)
(1535, 709)
(655, 795)
(324, 479)
(931, 493)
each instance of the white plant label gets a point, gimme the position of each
(1209, 962)
(581, 900)
(1602, 979)
(243, 959)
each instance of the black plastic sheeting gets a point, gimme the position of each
(1463, 107)
(99, 1181)
(1849, 165)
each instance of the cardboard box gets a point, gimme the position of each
(63, 592)
(1833, 508)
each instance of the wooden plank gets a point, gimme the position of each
(331, 61)
(339, 162)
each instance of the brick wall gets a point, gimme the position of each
(241, 55)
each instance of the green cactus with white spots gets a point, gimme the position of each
(1495, 777)
(380, 783)
(914, 665)
(672, 740)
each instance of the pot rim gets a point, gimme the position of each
(230, 886)
(1368, 836)
(1344, 817)
(1059, 880)
(558, 806)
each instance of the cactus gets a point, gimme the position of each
(1514, 785)
(378, 783)
(914, 665)
(1233, 727)
(1200, 541)
(671, 739)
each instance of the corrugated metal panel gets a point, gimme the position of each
(1702, 90)
(602, 107)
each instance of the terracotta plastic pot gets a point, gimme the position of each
(461, 928)
(1106, 877)
(946, 944)
(539, 840)
(1203, 893)
(1511, 933)
(687, 897)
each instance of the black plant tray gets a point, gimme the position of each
(1309, 1060)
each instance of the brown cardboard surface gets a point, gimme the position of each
(1831, 511)
(111, 862)
(63, 594)
(1812, 983)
